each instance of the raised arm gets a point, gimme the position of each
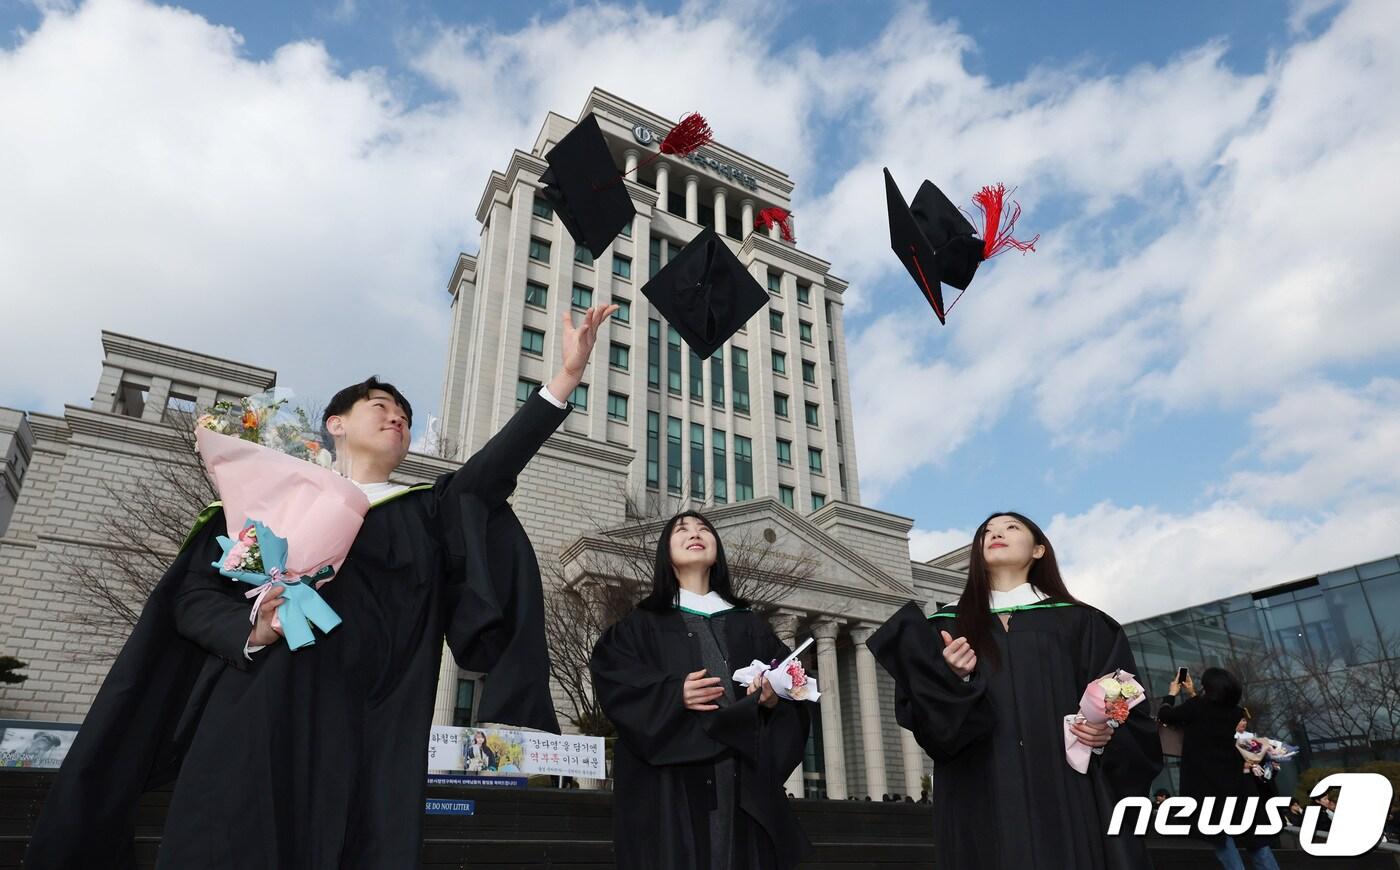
(491, 472)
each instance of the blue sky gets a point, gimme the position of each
(1192, 382)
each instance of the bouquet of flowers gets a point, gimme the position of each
(1262, 754)
(290, 518)
(1107, 700)
(787, 677)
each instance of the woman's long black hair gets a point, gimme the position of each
(665, 588)
(975, 618)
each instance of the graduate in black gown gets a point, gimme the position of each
(985, 686)
(700, 761)
(317, 759)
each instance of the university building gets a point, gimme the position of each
(759, 436)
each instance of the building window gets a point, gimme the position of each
(583, 297)
(804, 293)
(532, 341)
(779, 362)
(775, 283)
(743, 468)
(524, 388)
(804, 331)
(780, 404)
(673, 455)
(622, 267)
(539, 250)
(579, 397)
(619, 356)
(654, 353)
(814, 414)
(542, 208)
(818, 499)
(653, 449)
(654, 261)
(617, 407)
(623, 314)
(583, 255)
(775, 321)
(809, 371)
(785, 495)
(463, 711)
(536, 294)
(697, 460)
(784, 452)
(717, 378)
(673, 361)
(739, 369)
(627, 230)
(721, 474)
(697, 377)
(814, 459)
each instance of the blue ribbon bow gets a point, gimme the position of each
(302, 606)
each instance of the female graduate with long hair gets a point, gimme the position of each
(985, 686)
(700, 761)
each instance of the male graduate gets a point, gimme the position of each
(316, 759)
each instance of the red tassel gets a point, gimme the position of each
(692, 132)
(995, 239)
(774, 215)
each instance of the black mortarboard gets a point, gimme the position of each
(934, 240)
(585, 188)
(706, 293)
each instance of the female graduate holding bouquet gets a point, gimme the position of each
(986, 686)
(700, 762)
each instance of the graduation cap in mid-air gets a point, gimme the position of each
(706, 293)
(585, 187)
(939, 245)
(581, 184)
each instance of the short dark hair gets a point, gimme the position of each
(343, 401)
(1161, 792)
(1221, 687)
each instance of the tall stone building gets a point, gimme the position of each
(760, 436)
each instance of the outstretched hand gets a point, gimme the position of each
(578, 347)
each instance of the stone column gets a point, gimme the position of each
(913, 762)
(775, 232)
(156, 399)
(870, 737)
(833, 746)
(721, 217)
(785, 624)
(630, 158)
(446, 704)
(663, 186)
(745, 218)
(692, 198)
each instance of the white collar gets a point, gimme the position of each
(1021, 595)
(706, 605)
(379, 491)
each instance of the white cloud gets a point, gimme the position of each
(1225, 235)
(925, 544)
(285, 211)
(1343, 443)
(1135, 562)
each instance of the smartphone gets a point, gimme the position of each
(1181, 676)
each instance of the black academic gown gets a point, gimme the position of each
(1004, 796)
(664, 758)
(314, 759)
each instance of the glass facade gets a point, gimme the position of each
(1319, 659)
